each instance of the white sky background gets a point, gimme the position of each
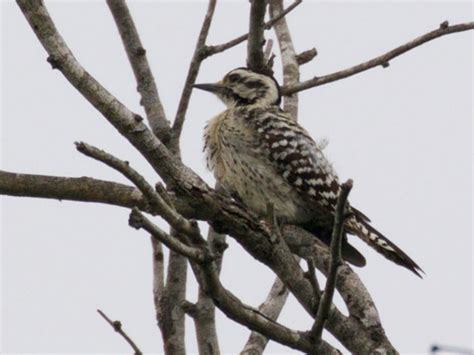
(402, 133)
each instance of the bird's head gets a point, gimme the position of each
(243, 86)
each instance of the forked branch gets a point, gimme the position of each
(211, 50)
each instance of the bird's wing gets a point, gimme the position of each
(297, 157)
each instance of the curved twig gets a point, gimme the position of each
(117, 325)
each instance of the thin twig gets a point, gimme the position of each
(146, 86)
(256, 40)
(382, 60)
(198, 57)
(211, 50)
(335, 262)
(312, 277)
(117, 325)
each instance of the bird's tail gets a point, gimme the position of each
(359, 225)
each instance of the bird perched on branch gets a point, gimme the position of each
(261, 155)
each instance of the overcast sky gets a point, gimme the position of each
(403, 134)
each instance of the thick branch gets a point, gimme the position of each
(117, 325)
(198, 57)
(83, 189)
(302, 243)
(256, 40)
(382, 60)
(335, 262)
(146, 86)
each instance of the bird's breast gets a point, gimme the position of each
(241, 165)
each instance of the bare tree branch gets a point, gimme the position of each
(335, 262)
(138, 220)
(146, 86)
(83, 189)
(382, 60)
(117, 325)
(224, 215)
(271, 308)
(356, 297)
(158, 275)
(172, 315)
(312, 276)
(300, 241)
(198, 57)
(291, 70)
(211, 50)
(204, 317)
(130, 125)
(226, 301)
(177, 221)
(256, 40)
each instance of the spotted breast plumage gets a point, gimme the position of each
(260, 155)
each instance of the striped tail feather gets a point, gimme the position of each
(358, 225)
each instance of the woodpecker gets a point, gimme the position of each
(260, 155)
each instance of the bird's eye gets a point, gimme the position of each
(234, 77)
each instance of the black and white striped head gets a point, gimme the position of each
(243, 86)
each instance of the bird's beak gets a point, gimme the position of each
(214, 88)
